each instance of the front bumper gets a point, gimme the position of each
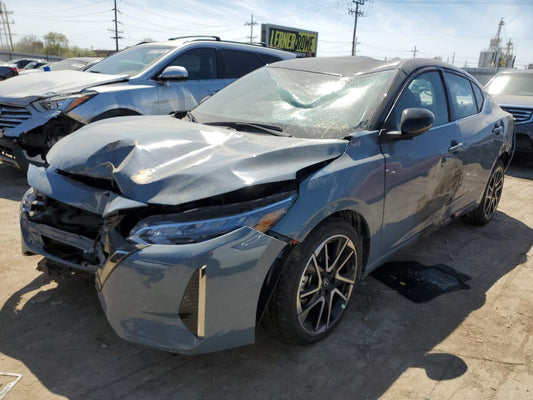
(524, 139)
(142, 294)
(11, 153)
(145, 290)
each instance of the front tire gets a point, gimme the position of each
(491, 198)
(317, 282)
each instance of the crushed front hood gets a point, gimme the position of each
(162, 160)
(23, 89)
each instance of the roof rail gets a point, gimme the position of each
(217, 38)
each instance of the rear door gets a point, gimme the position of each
(479, 140)
(420, 177)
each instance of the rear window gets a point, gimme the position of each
(479, 97)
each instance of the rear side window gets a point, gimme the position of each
(199, 63)
(462, 100)
(238, 63)
(479, 97)
(425, 91)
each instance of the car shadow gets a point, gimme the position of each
(62, 336)
(14, 183)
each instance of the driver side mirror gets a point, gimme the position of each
(413, 122)
(174, 73)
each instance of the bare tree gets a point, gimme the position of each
(29, 44)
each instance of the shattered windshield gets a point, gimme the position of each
(512, 84)
(130, 61)
(301, 103)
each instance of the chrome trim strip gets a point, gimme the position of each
(202, 280)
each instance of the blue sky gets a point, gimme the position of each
(390, 28)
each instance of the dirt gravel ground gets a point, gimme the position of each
(468, 344)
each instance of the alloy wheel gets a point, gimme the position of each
(494, 193)
(326, 284)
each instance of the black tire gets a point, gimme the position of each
(316, 283)
(489, 204)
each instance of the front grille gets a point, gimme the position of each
(520, 115)
(523, 142)
(11, 116)
(67, 232)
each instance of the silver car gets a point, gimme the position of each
(513, 91)
(37, 110)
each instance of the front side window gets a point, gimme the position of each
(200, 63)
(462, 99)
(425, 91)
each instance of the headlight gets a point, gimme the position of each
(63, 103)
(201, 224)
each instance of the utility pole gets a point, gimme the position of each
(356, 13)
(453, 58)
(116, 31)
(414, 52)
(355, 47)
(252, 23)
(5, 28)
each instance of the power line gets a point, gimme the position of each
(252, 23)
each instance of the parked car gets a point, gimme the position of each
(21, 63)
(73, 63)
(7, 71)
(150, 78)
(283, 189)
(35, 65)
(513, 91)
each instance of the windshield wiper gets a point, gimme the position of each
(94, 72)
(254, 127)
(191, 117)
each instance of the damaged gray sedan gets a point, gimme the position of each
(273, 198)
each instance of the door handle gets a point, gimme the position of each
(456, 147)
(498, 129)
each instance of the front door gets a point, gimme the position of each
(201, 64)
(421, 176)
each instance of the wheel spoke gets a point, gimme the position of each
(339, 254)
(310, 291)
(302, 316)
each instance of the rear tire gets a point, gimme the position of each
(491, 198)
(317, 282)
